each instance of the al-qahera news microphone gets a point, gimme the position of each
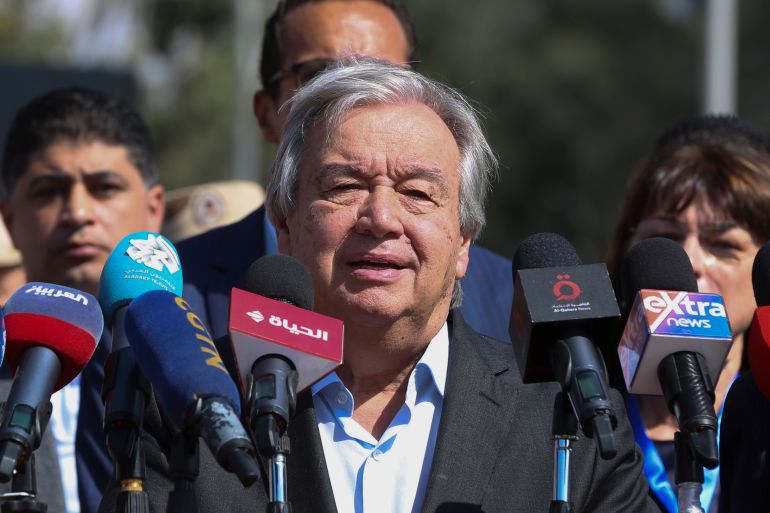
(674, 341)
(759, 332)
(559, 304)
(51, 333)
(175, 351)
(281, 347)
(141, 262)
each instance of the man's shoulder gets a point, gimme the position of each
(486, 261)
(224, 236)
(229, 249)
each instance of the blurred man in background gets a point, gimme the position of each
(302, 38)
(77, 176)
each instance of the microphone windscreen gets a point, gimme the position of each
(175, 352)
(67, 321)
(760, 275)
(141, 262)
(282, 278)
(544, 250)
(659, 264)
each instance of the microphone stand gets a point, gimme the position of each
(271, 402)
(125, 392)
(689, 392)
(689, 475)
(564, 430)
(184, 466)
(23, 495)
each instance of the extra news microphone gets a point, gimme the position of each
(51, 333)
(559, 303)
(141, 262)
(759, 332)
(175, 351)
(675, 339)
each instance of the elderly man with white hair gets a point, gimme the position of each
(378, 188)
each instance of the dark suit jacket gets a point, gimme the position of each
(93, 461)
(216, 261)
(744, 449)
(493, 454)
(49, 483)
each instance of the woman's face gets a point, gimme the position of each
(721, 252)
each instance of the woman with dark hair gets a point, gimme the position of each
(706, 185)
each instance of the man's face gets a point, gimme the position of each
(72, 205)
(318, 31)
(377, 216)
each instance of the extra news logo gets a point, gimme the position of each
(685, 313)
(154, 252)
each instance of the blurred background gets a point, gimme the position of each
(573, 92)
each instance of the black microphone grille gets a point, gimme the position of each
(282, 278)
(659, 264)
(760, 275)
(544, 250)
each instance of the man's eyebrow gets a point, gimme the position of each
(426, 171)
(334, 170)
(56, 175)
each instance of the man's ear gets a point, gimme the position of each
(463, 256)
(155, 207)
(284, 236)
(266, 111)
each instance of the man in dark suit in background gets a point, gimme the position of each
(77, 176)
(302, 37)
(379, 189)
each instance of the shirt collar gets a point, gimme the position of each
(435, 359)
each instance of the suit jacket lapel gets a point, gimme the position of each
(479, 400)
(310, 487)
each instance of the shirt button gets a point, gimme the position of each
(342, 398)
(377, 454)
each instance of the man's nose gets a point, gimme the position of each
(380, 215)
(79, 206)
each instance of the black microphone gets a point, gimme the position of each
(675, 338)
(281, 347)
(559, 302)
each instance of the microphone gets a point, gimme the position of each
(675, 339)
(51, 332)
(759, 332)
(175, 351)
(274, 316)
(281, 347)
(562, 303)
(141, 262)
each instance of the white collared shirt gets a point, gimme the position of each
(388, 475)
(63, 427)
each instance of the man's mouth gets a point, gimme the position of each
(377, 268)
(376, 263)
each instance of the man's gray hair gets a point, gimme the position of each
(358, 82)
